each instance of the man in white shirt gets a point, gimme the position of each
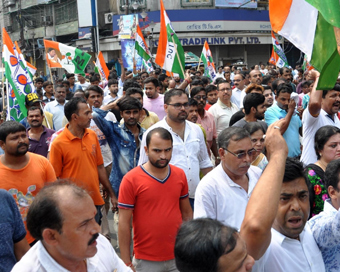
(62, 220)
(113, 94)
(56, 107)
(223, 193)
(237, 91)
(82, 82)
(189, 148)
(223, 109)
(321, 111)
(292, 246)
(219, 72)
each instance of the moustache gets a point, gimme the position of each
(94, 237)
(23, 144)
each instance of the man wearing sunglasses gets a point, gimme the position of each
(189, 149)
(223, 193)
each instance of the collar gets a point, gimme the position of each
(332, 117)
(328, 208)
(224, 106)
(44, 129)
(147, 112)
(280, 238)
(140, 134)
(70, 136)
(57, 103)
(229, 180)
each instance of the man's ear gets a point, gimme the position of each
(146, 150)
(50, 236)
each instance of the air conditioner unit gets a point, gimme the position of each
(108, 18)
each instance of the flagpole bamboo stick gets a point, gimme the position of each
(199, 63)
(179, 60)
(49, 68)
(8, 117)
(3, 91)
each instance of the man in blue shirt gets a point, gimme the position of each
(73, 86)
(285, 108)
(12, 230)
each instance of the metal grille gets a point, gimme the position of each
(66, 12)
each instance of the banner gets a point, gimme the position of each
(128, 48)
(127, 26)
(236, 3)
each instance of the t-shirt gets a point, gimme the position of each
(78, 159)
(40, 147)
(23, 184)
(12, 230)
(156, 210)
(155, 105)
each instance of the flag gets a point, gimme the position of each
(19, 83)
(140, 45)
(312, 31)
(276, 60)
(209, 66)
(147, 65)
(29, 67)
(306, 65)
(282, 60)
(101, 66)
(170, 53)
(72, 59)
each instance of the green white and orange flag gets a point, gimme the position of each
(311, 25)
(282, 60)
(19, 82)
(29, 67)
(170, 54)
(140, 45)
(101, 67)
(72, 59)
(207, 59)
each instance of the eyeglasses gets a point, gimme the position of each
(199, 97)
(178, 106)
(225, 89)
(242, 155)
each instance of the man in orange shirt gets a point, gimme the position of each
(76, 154)
(22, 173)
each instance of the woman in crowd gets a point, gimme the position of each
(327, 148)
(257, 132)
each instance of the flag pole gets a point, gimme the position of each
(179, 60)
(3, 91)
(49, 68)
(8, 117)
(199, 63)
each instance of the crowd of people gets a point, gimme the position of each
(238, 173)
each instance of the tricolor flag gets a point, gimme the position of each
(276, 60)
(147, 65)
(311, 25)
(19, 83)
(72, 59)
(170, 54)
(282, 61)
(29, 67)
(209, 66)
(101, 66)
(140, 45)
(306, 65)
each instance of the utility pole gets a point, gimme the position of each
(22, 39)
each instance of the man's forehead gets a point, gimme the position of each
(295, 186)
(179, 98)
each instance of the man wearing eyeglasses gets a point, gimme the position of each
(189, 149)
(223, 193)
(206, 119)
(223, 109)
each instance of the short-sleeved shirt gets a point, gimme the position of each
(78, 160)
(41, 147)
(208, 123)
(285, 254)
(291, 135)
(155, 105)
(222, 114)
(24, 184)
(156, 210)
(310, 125)
(12, 230)
(218, 197)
